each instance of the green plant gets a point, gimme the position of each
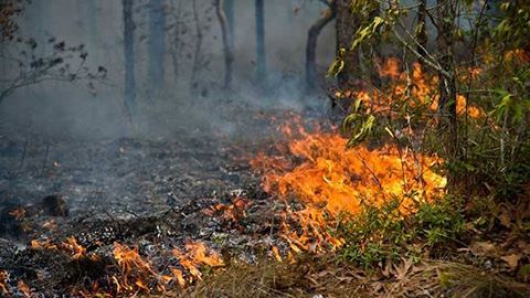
(382, 234)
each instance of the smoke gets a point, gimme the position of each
(192, 98)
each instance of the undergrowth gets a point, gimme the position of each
(381, 235)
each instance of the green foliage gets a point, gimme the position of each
(382, 234)
(358, 124)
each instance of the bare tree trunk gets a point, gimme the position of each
(311, 46)
(176, 6)
(227, 43)
(198, 46)
(156, 46)
(260, 40)
(347, 24)
(447, 87)
(230, 18)
(130, 81)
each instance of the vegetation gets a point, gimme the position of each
(450, 98)
(453, 97)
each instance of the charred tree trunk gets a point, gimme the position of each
(156, 46)
(227, 43)
(311, 47)
(260, 40)
(447, 87)
(347, 24)
(130, 81)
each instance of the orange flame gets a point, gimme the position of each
(233, 212)
(194, 256)
(137, 274)
(4, 277)
(133, 268)
(70, 245)
(331, 180)
(415, 87)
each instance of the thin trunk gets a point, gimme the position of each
(130, 81)
(421, 35)
(156, 46)
(260, 40)
(198, 46)
(376, 53)
(447, 87)
(230, 17)
(176, 6)
(311, 46)
(227, 42)
(346, 26)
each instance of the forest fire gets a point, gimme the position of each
(333, 182)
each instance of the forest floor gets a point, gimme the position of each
(107, 218)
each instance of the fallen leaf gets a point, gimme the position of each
(483, 248)
(505, 218)
(512, 260)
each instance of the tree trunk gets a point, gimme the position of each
(176, 6)
(311, 47)
(376, 52)
(227, 43)
(156, 46)
(347, 24)
(230, 18)
(421, 36)
(260, 40)
(197, 58)
(130, 82)
(447, 85)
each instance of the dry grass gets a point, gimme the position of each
(314, 276)
(308, 277)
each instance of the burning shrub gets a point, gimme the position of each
(333, 182)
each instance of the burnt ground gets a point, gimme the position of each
(145, 193)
